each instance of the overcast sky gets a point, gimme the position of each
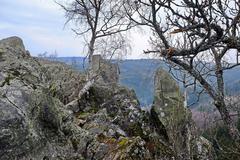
(40, 23)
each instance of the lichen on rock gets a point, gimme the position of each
(107, 122)
(168, 108)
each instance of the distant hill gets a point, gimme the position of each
(139, 75)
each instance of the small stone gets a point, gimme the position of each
(162, 114)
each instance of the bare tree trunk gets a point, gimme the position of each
(90, 57)
(220, 99)
(91, 50)
(232, 128)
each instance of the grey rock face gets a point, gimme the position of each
(108, 71)
(169, 107)
(13, 42)
(33, 119)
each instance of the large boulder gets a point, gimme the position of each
(114, 112)
(168, 107)
(13, 42)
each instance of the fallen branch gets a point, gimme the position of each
(73, 105)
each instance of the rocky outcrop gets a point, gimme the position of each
(36, 124)
(109, 72)
(13, 42)
(33, 121)
(169, 108)
(107, 122)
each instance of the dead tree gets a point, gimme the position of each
(198, 36)
(97, 20)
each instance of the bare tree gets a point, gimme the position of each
(98, 20)
(198, 36)
(102, 23)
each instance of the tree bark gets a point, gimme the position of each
(227, 119)
(91, 50)
(90, 57)
(220, 99)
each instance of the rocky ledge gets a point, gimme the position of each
(107, 123)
